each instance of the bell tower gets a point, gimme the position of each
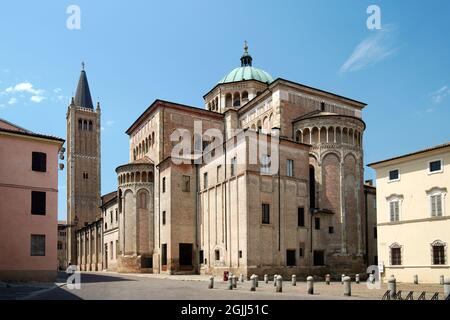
(83, 163)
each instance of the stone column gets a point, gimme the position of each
(211, 283)
(252, 282)
(327, 279)
(347, 286)
(310, 285)
(392, 286)
(294, 280)
(357, 278)
(279, 284)
(266, 278)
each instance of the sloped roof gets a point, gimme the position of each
(83, 94)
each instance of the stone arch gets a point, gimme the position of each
(244, 96)
(331, 184)
(236, 99)
(338, 135)
(228, 100)
(350, 136)
(253, 127)
(315, 135)
(351, 202)
(298, 136)
(306, 135)
(129, 222)
(345, 135)
(323, 135)
(150, 176)
(258, 124)
(330, 135)
(128, 178)
(265, 124)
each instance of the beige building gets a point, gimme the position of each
(110, 216)
(271, 181)
(413, 214)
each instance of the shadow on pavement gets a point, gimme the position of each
(92, 278)
(55, 294)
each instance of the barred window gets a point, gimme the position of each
(438, 251)
(396, 255)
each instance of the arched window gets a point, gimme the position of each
(244, 97)
(150, 176)
(144, 176)
(236, 99)
(394, 207)
(228, 100)
(395, 254)
(153, 138)
(90, 125)
(298, 136)
(438, 252)
(85, 125)
(436, 197)
(138, 177)
(80, 124)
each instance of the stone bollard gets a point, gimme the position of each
(392, 286)
(416, 279)
(235, 280)
(266, 278)
(441, 280)
(252, 283)
(279, 284)
(447, 288)
(275, 280)
(371, 278)
(294, 280)
(211, 283)
(347, 286)
(242, 277)
(342, 278)
(230, 283)
(257, 280)
(310, 285)
(327, 279)
(357, 278)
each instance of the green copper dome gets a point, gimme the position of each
(246, 71)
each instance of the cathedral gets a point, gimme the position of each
(272, 184)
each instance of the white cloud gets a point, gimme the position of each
(110, 122)
(12, 101)
(375, 48)
(37, 99)
(439, 95)
(24, 87)
(57, 90)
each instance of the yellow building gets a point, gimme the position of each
(413, 214)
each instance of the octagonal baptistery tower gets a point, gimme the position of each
(336, 186)
(136, 216)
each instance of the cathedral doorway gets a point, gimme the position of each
(185, 255)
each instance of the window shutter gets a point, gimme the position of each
(439, 205)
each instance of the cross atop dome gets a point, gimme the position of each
(246, 59)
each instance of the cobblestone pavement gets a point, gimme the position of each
(109, 285)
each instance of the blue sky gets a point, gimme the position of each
(138, 51)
